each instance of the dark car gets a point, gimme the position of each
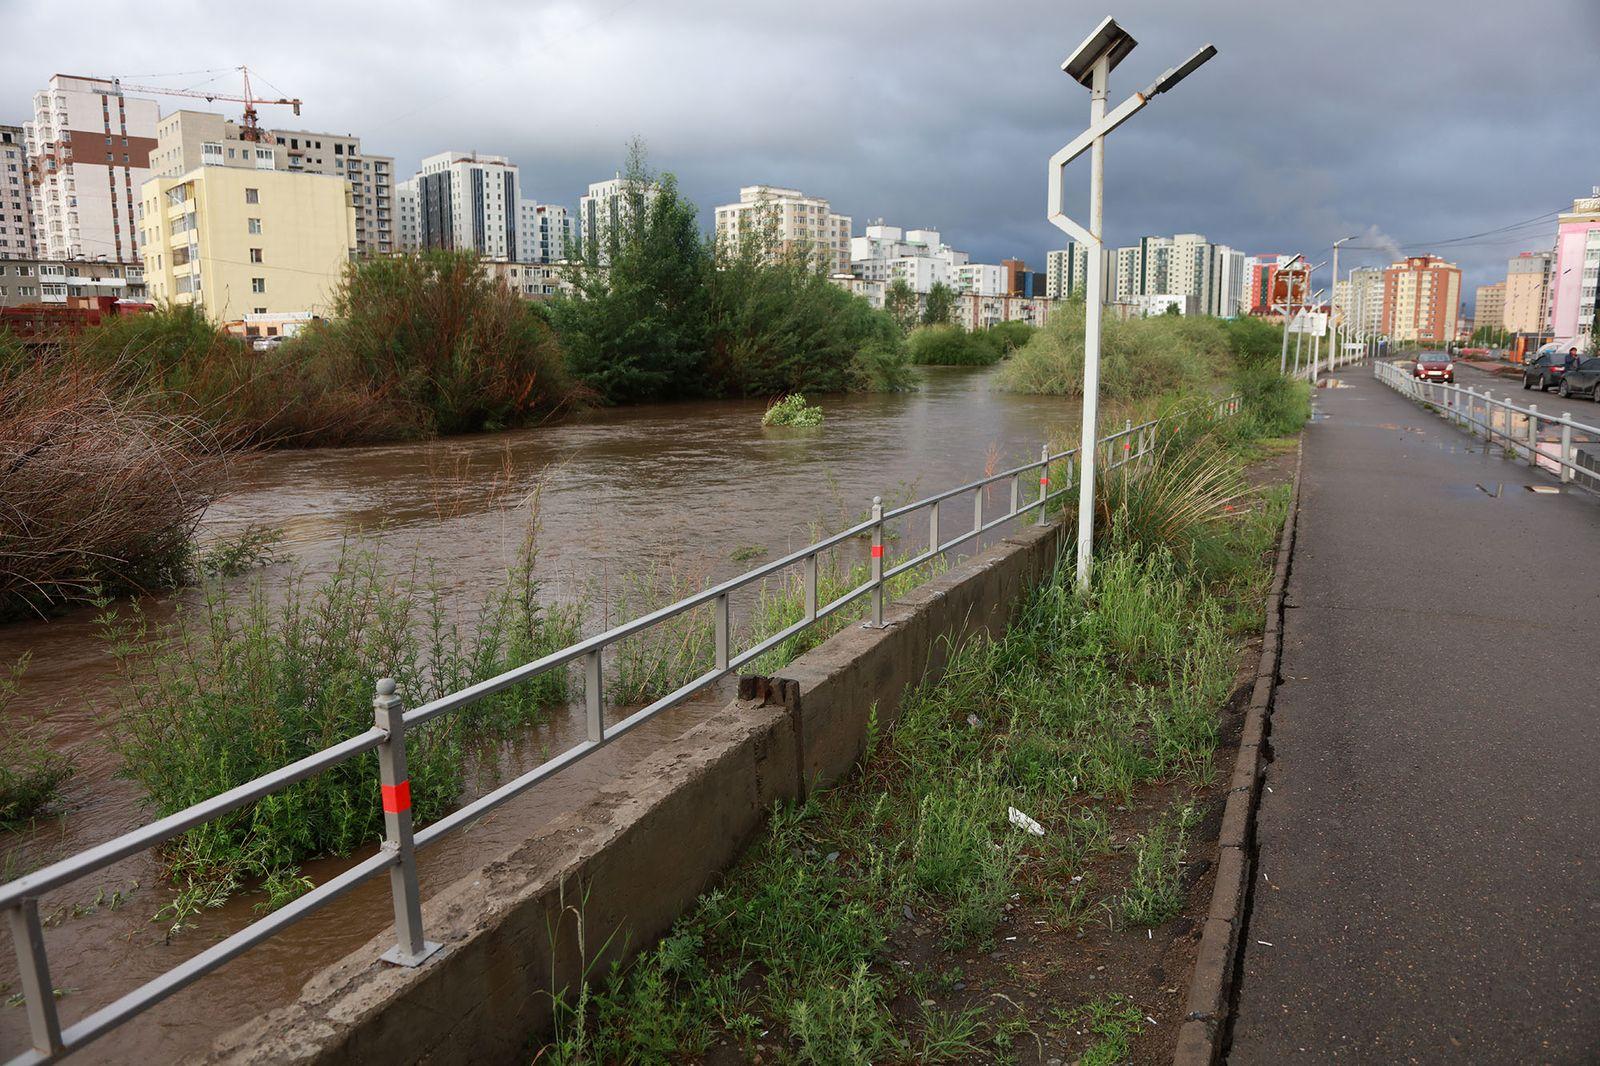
(1544, 371)
(1583, 379)
(1434, 366)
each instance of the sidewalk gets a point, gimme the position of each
(1428, 880)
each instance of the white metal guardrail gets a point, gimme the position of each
(1518, 429)
(1309, 370)
(397, 857)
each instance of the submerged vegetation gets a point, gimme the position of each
(950, 345)
(1084, 705)
(792, 410)
(31, 772)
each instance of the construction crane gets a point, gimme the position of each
(249, 129)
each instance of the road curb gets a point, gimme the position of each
(1205, 1016)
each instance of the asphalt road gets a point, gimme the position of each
(1428, 883)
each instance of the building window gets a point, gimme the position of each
(255, 255)
(253, 225)
(258, 284)
(252, 196)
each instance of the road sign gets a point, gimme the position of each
(1313, 322)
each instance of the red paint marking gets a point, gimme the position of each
(396, 798)
(1044, 481)
(877, 551)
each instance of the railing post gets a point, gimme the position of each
(1533, 435)
(594, 695)
(1566, 446)
(723, 626)
(977, 511)
(395, 792)
(34, 970)
(1127, 442)
(877, 563)
(1044, 480)
(810, 577)
(1488, 421)
(1016, 492)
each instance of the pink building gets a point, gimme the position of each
(1573, 279)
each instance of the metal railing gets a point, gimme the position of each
(1309, 370)
(397, 856)
(1515, 428)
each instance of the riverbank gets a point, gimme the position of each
(991, 885)
(682, 468)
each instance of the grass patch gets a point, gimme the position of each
(1083, 702)
(253, 679)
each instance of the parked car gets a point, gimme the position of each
(1545, 371)
(1582, 380)
(1434, 366)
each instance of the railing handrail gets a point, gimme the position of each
(19, 898)
(1467, 400)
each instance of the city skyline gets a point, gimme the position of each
(1424, 140)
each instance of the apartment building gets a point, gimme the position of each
(980, 279)
(1124, 274)
(1489, 306)
(532, 281)
(469, 202)
(1067, 271)
(1527, 299)
(1421, 300)
(43, 281)
(407, 217)
(247, 244)
(799, 223)
(1227, 281)
(88, 154)
(371, 179)
(546, 231)
(1259, 273)
(1574, 274)
(1360, 299)
(919, 256)
(608, 205)
(16, 195)
(186, 140)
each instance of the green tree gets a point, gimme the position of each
(901, 303)
(939, 306)
(636, 327)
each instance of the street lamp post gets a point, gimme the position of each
(1333, 317)
(1090, 66)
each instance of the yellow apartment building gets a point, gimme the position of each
(242, 242)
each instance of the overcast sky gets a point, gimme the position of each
(1414, 122)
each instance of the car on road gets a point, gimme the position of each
(1544, 373)
(1434, 366)
(1583, 379)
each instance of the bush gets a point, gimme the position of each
(1011, 335)
(1139, 357)
(792, 410)
(952, 346)
(255, 680)
(98, 487)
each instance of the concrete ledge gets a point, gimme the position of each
(1205, 1021)
(606, 879)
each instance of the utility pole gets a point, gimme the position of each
(1090, 66)
(1333, 316)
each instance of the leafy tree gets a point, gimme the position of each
(901, 303)
(939, 306)
(636, 327)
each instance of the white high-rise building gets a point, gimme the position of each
(919, 257)
(408, 218)
(979, 279)
(607, 205)
(16, 195)
(371, 179)
(1227, 286)
(89, 149)
(1067, 272)
(800, 223)
(547, 232)
(1362, 305)
(467, 201)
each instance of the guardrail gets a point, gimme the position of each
(1499, 421)
(397, 857)
(1308, 371)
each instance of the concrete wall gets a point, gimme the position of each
(641, 851)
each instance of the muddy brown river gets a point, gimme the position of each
(700, 488)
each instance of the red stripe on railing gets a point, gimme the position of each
(877, 551)
(396, 798)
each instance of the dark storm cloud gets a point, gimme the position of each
(1405, 120)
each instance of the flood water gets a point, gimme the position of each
(700, 488)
